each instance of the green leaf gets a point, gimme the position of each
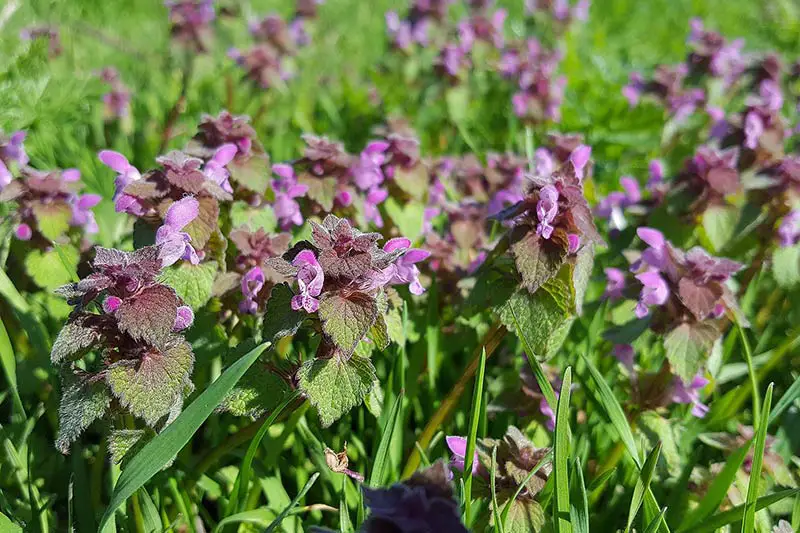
(413, 181)
(52, 220)
(150, 516)
(536, 263)
(82, 402)
(320, 190)
(719, 223)
(336, 385)
(259, 391)
(253, 172)
(260, 517)
(653, 526)
(688, 346)
(507, 506)
(786, 265)
(8, 526)
(523, 516)
(718, 490)
(579, 504)
(347, 319)
(47, 268)
(152, 387)
(657, 428)
(9, 363)
(731, 516)
(253, 218)
(275, 523)
(561, 452)
(642, 484)
(192, 282)
(628, 332)
(783, 404)
(280, 320)
(380, 464)
(159, 451)
(749, 521)
(539, 318)
(74, 340)
(472, 437)
(121, 442)
(408, 218)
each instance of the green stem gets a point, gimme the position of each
(529, 147)
(748, 355)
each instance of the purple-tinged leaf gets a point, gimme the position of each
(538, 261)
(347, 319)
(150, 315)
(280, 320)
(688, 346)
(82, 402)
(699, 299)
(79, 335)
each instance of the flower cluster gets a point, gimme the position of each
(667, 86)
(48, 202)
(256, 277)
(712, 55)
(342, 275)
(540, 92)
(133, 323)
(190, 22)
(117, 100)
(415, 28)
(50, 33)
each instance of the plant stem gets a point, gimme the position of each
(175, 111)
(529, 148)
(490, 342)
(748, 355)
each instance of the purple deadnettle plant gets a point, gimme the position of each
(133, 324)
(190, 23)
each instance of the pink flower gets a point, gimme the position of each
(404, 270)
(624, 354)
(367, 172)
(252, 283)
(789, 230)
(374, 198)
(310, 279)
(753, 129)
(183, 318)
(23, 232)
(126, 173)
(690, 394)
(111, 304)
(546, 210)
(615, 284)
(174, 243)
(81, 211)
(580, 158)
(458, 447)
(654, 292)
(287, 210)
(215, 169)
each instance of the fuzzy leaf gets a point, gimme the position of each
(688, 346)
(699, 299)
(719, 223)
(123, 441)
(47, 268)
(150, 387)
(320, 190)
(280, 320)
(259, 391)
(82, 402)
(543, 321)
(150, 315)
(786, 265)
(658, 429)
(251, 172)
(336, 385)
(74, 340)
(52, 219)
(201, 228)
(536, 261)
(413, 181)
(379, 333)
(346, 320)
(253, 219)
(191, 282)
(523, 517)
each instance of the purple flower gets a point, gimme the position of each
(404, 270)
(546, 210)
(656, 253)
(789, 230)
(82, 211)
(215, 168)
(310, 279)
(367, 172)
(544, 163)
(753, 129)
(183, 318)
(252, 283)
(374, 198)
(656, 169)
(399, 30)
(633, 91)
(111, 304)
(624, 354)
(690, 394)
(771, 95)
(458, 447)
(654, 292)
(23, 232)
(126, 174)
(615, 283)
(14, 149)
(5, 175)
(287, 210)
(580, 158)
(174, 243)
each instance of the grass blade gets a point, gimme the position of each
(718, 489)
(345, 525)
(159, 451)
(749, 521)
(381, 462)
(748, 355)
(579, 502)
(150, 516)
(259, 517)
(735, 515)
(35, 330)
(614, 411)
(9, 362)
(278, 519)
(785, 402)
(643, 484)
(237, 499)
(653, 526)
(474, 420)
(602, 478)
(561, 458)
(499, 527)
